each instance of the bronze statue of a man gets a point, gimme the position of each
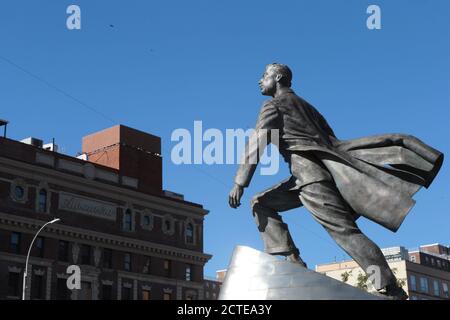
(337, 181)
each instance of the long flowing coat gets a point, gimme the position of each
(377, 176)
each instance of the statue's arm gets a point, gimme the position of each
(268, 119)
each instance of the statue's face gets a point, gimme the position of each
(268, 82)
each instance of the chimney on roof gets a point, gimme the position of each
(134, 153)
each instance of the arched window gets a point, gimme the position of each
(168, 225)
(19, 192)
(190, 233)
(42, 202)
(127, 220)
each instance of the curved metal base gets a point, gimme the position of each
(255, 275)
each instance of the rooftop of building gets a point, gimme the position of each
(31, 151)
(397, 250)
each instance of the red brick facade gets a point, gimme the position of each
(112, 203)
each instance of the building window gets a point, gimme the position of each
(126, 293)
(62, 292)
(432, 261)
(40, 247)
(423, 285)
(19, 190)
(188, 276)
(15, 242)
(412, 281)
(42, 201)
(128, 220)
(207, 294)
(37, 287)
(107, 258)
(445, 289)
(427, 260)
(214, 295)
(14, 284)
(147, 266)
(85, 254)
(63, 251)
(19, 193)
(86, 291)
(167, 296)
(191, 295)
(436, 288)
(127, 262)
(190, 233)
(167, 267)
(147, 220)
(438, 263)
(146, 295)
(106, 292)
(413, 258)
(168, 225)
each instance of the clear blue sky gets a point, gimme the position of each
(164, 64)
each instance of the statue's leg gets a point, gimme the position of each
(327, 206)
(265, 206)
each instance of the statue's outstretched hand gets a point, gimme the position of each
(234, 199)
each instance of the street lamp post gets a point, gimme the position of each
(28, 256)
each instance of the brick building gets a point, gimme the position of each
(131, 239)
(424, 273)
(212, 288)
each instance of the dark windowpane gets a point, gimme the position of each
(40, 247)
(188, 273)
(37, 287)
(14, 284)
(167, 267)
(106, 292)
(19, 192)
(107, 258)
(63, 251)
(85, 254)
(126, 293)
(127, 262)
(42, 203)
(127, 220)
(146, 221)
(86, 291)
(190, 233)
(148, 265)
(15, 242)
(62, 292)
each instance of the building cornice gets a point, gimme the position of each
(160, 280)
(53, 176)
(60, 231)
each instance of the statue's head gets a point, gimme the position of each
(276, 75)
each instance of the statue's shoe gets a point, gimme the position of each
(295, 258)
(393, 292)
